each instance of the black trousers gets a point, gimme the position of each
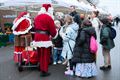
(72, 64)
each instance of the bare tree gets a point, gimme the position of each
(94, 2)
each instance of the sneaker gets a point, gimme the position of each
(65, 62)
(69, 72)
(109, 66)
(54, 63)
(68, 68)
(59, 62)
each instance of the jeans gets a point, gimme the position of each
(57, 55)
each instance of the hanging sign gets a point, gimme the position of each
(9, 16)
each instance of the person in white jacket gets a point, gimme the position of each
(96, 23)
(69, 34)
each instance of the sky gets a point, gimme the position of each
(112, 6)
(2, 0)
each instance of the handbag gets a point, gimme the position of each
(93, 45)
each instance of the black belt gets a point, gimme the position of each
(42, 32)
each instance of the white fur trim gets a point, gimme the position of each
(27, 15)
(50, 10)
(17, 23)
(45, 44)
(42, 10)
(14, 21)
(50, 15)
(17, 52)
(55, 35)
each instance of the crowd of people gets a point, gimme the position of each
(69, 36)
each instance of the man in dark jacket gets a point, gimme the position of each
(75, 15)
(117, 19)
(73, 11)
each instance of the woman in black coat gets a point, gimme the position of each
(82, 57)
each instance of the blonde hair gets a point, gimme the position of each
(57, 22)
(69, 17)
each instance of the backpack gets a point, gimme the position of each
(112, 33)
(93, 45)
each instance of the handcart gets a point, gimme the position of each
(28, 58)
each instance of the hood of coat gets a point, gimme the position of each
(74, 26)
(89, 30)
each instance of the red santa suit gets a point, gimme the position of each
(45, 28)
(21, 26)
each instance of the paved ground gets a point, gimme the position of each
(8, 70)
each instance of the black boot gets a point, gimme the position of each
(105, 67)
(44, 74)
(109, 66)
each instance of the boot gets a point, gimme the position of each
(44, 74)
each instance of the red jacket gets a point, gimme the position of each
(45, 23)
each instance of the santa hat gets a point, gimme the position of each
(22, 24)
(21, 15)
(47, 9)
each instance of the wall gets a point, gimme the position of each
(6, 16)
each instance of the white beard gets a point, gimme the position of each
(49, 12)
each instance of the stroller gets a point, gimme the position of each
(28, 58)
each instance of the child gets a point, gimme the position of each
(57, 49)
(69, 37)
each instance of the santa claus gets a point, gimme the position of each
(21, 27)
(45, 29)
